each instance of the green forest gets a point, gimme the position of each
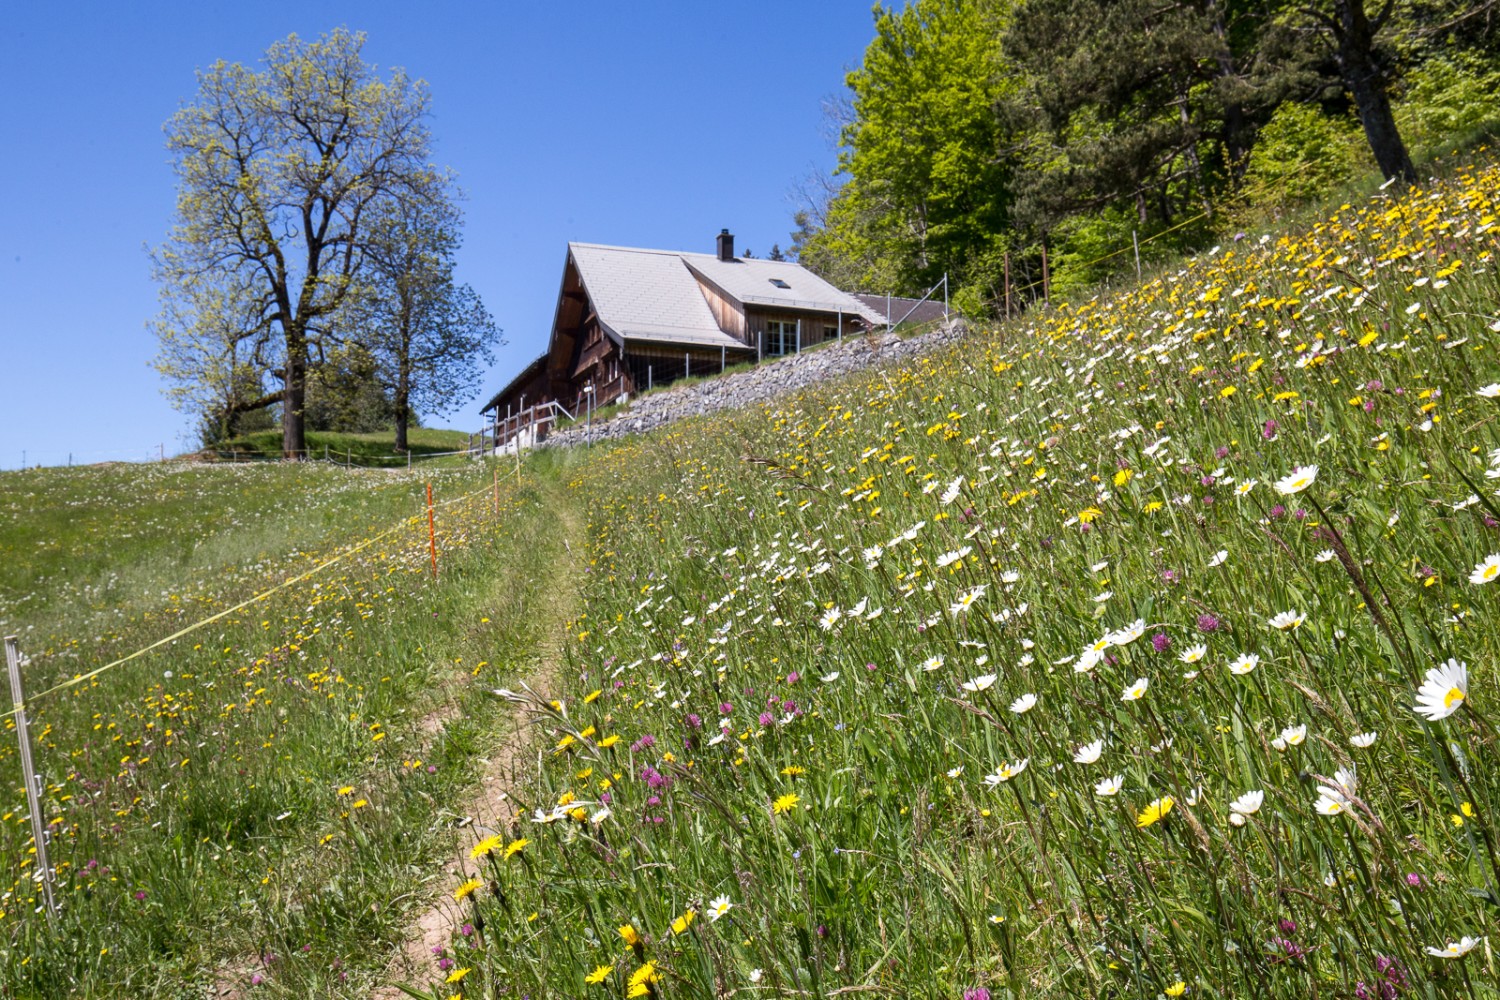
(979, 135)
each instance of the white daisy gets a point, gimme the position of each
(1193, 653)
(1454, 949)
(1110, 786)
(955, 772)
(1248, 804)
(1005, 772)
(1299, 480)
(1130, 633)
(951, 493)
(1490, 391)
(1487, 570)
(1243, 664)
(982, 683)
(1325, 556)
(717, 907)
(1219, 557)
(1443, 691)
(1363, 740)
(830, 618)
(1089, 752)
(1023, 704)
(1136, 690)
(1294, 735)
(933, 663)
(1287, 620)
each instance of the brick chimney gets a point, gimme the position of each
(726, 245)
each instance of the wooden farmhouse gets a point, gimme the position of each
(628, 320)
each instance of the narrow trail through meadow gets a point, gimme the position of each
(489, 807)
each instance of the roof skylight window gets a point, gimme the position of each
(778, 283)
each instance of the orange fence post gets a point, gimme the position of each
(431, 531)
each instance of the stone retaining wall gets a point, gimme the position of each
(760, 383)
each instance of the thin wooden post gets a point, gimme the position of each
(431, 531)
(945, 296)
(648, 378)
(839, 330)
(687, 365)
(1046, 277)
(1135, 242)
(44, 873)
(721, 371)
(799, 335)
(497, 489)
(1007, 284)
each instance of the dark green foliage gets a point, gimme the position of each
(979, 131)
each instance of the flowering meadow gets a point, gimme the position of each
(1143, 647)
(248, 807)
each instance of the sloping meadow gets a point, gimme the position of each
(1143, 648)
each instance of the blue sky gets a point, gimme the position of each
(650, 124)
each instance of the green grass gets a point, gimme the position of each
(805, 673)
(200, 834)
(356, 449)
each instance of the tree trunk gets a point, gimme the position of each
(1365, 78)
(403, 407)
(294, 397)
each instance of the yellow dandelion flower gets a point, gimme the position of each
(682, 923)
(785, 804)
(515, 847)
(485, 847)
(641, 978)
(1177, 989)
(457, 975)
(631, 936)
(1157, 810)
(609, 741)
(467, 889)
(593, 696)
(599, 974)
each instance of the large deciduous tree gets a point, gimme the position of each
(280, 172)
(928, 181)
(426, 332)
(1367, 68)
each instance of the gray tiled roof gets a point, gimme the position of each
(647, 295)
(750, 280)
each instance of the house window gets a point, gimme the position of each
(781, 336)
(830, 332)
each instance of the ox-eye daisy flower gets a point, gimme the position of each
(1193, 653)
(1130, 633)
(1287, 620)
(1486, 571)
(1454, 949)
(1110, 786)
(1299, 480)
(1136, 690)
(1443, 691)
(1005, 772)
(1248, 804)
(1089, 752)
(1243, 664)
(982, 683)
(932, 663)
(717, 907)
(1363, 740)
(1023, 704)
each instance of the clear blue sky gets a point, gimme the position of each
(648, 124)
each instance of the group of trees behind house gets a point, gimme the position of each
(978, 132)
(310, 274)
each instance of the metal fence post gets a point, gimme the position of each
(44, 873)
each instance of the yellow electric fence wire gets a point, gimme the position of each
(81, 678)
(1116, 253)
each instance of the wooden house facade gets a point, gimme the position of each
(629, 319)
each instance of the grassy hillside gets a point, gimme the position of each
(358, 449)
(1080, 661)
(241, 796)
